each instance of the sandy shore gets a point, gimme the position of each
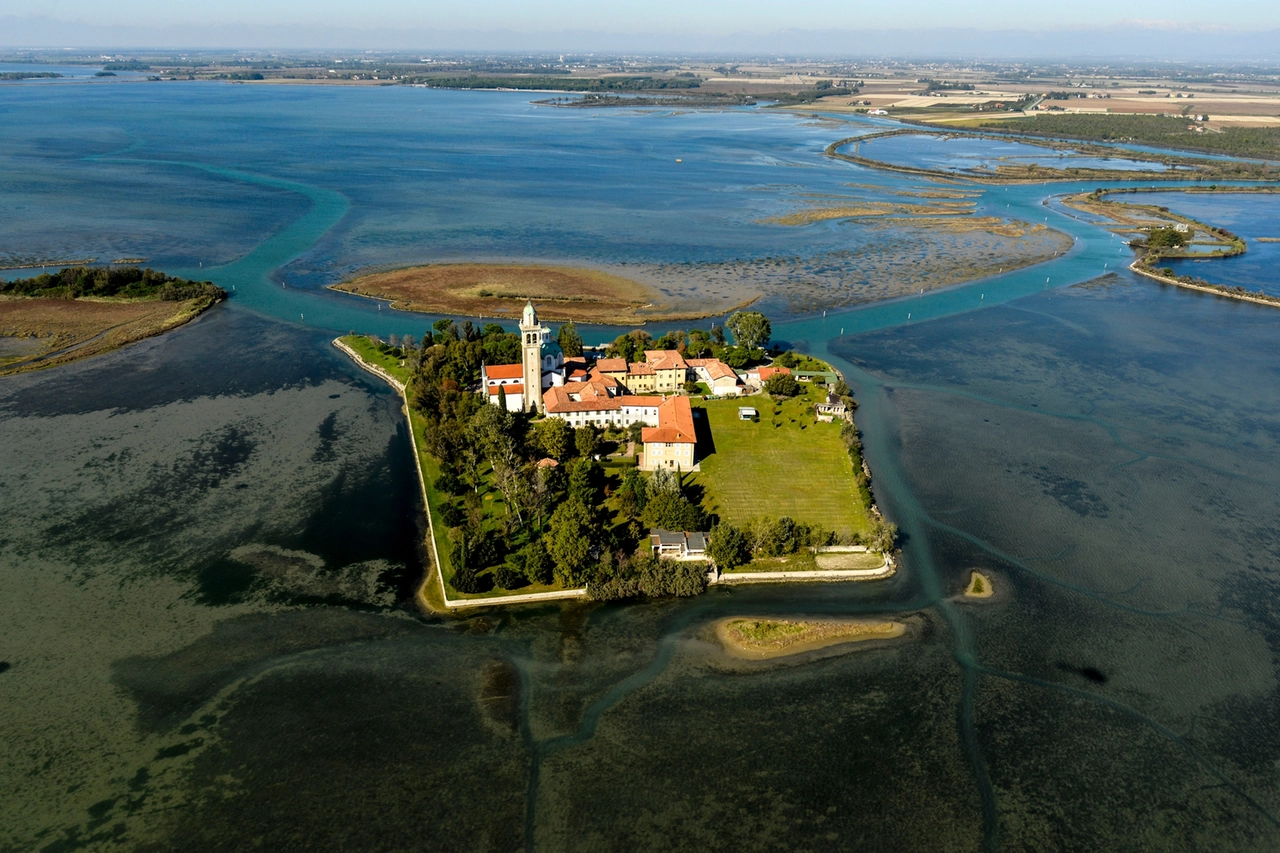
(761, 639)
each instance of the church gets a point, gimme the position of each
(606, 393)
(542, 367)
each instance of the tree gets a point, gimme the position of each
(466, 577)
(775, 537)
(728, 547)
(585, 480)
(884, 535)
(669, 511)
(537, 564)
(492, 433)
(633, 494)
(586, 440)
(750, 329)
(570, 341)
(635, 433)
(782, 385)
(568, 541)
(553, 436)
(664, 481)
(509, 577)
(630, 346)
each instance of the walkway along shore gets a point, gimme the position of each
(452, 604)
(817, 576)
(1246, 297)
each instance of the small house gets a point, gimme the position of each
(678, 545)
(833, 408)
(747, 413)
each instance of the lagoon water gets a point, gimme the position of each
(203, 537)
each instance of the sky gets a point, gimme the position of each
(722, 25)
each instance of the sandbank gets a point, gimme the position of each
(761, 639)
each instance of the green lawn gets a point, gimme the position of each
(786, 464)
(369, 351)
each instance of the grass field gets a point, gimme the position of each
(787, 464)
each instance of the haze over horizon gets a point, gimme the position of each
(997, 29)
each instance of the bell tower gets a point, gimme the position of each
(531, 335)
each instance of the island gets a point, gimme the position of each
(500, 291)
(761, 639)
(1157, 234)
(55, 318)
(979, 586)
(645, 468)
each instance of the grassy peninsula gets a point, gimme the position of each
(500, 291)
(83, 311)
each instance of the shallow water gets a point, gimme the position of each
(199, 537)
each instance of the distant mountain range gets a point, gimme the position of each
(1127, 41)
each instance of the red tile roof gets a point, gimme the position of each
(665, 359)
(766, 372)
(504, 371)
(639, 368)
(675, 423)
(514, 388)
(612, 365)
(715, 367)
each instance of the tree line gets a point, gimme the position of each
(122, 282)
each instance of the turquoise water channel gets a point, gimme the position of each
(208, 540)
